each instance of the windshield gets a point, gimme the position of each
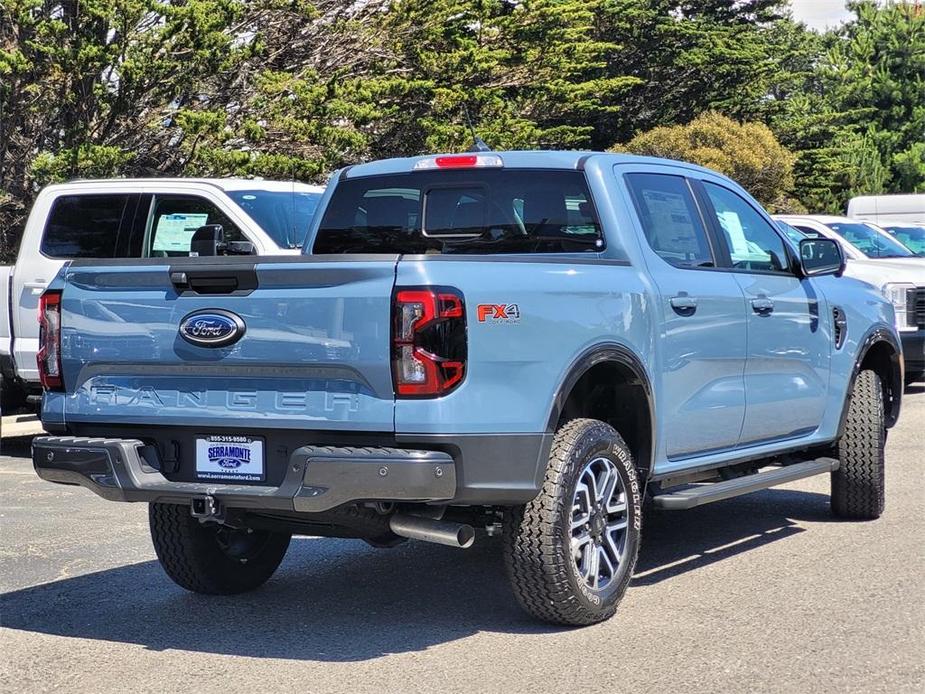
(284, 214)
(870, 242)
(912, 237)
(461, 211)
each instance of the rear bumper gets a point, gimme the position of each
(913, 350)
(318, 478)
(492, 469)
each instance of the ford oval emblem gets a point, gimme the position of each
(212, 328)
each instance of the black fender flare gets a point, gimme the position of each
(614, 353)
(894, 385)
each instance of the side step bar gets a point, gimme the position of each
(717, 491)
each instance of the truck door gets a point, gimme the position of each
(701, 345)
(787, 371)
(61, 228)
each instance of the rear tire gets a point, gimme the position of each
(858, 483)
(12, 396)
(570, 552)
(210, 558)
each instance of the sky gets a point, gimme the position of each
(819, 14)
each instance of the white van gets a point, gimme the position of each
(883, 209)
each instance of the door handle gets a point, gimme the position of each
(763, 306)
(37, 287)
(683, 305)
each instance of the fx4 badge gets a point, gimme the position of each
(499, 313)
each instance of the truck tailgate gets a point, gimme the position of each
(310, 350)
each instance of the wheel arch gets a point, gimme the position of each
(610, 382)
(879, 351)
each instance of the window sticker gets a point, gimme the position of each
(174, 232)
(669, 215)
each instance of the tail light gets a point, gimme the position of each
(49, 354)
(460, 161)
(428, 341)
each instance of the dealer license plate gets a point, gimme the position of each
(230, 458)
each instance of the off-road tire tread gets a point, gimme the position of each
(12, 396)
(184, 552)
(537, 567)
(858, 483)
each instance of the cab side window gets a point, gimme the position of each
(175, 218)
(85, 226)
(753, 243)
(670, 219)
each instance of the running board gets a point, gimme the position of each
(717, 491)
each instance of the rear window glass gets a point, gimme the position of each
(471, 211)
(84, 226)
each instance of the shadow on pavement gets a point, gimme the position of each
(675, 542)
(332, 600)
(16, 446)
(338, 600)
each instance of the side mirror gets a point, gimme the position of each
(207, 240)
(821, 257)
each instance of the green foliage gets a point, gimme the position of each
(83, 161)
(858, 121)
(746, 152)
(531, 74)
(90, 88)
(297, 88)
(909, 167)
(865, 171)
(877, 70)
(691, 57)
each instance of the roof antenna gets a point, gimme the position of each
(478, 144)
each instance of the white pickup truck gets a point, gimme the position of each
(875, 257)
(133, 218)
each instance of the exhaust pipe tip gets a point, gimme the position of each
(465, 536)
(440, 532)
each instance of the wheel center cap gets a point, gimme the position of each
(598, 523)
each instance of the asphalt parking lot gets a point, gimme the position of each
(760, 593)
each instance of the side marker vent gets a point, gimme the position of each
(840, 323)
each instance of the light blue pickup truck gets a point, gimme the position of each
(523, 343)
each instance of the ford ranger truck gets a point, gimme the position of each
(523, 343)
